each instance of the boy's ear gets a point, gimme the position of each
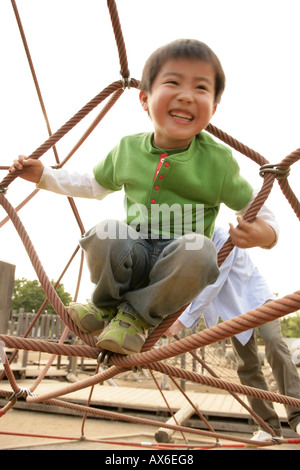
(144, 100)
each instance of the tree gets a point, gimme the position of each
(30, 295)
(290, 325)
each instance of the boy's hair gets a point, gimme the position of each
(187, 49)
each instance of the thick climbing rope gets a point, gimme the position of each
(149, 357)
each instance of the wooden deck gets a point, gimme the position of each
(149, 400)
(222, 411)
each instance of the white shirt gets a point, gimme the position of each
(239, 288)
(72, 184)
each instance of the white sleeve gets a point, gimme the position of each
(266, 214)
(72, 184)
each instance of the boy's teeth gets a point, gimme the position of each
(181, 116)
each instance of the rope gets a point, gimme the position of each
(44, 281)
(120, 41)
(252, 319)
(28, 344)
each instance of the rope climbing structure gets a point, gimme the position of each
(154, 359)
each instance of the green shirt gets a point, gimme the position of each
(184, 186)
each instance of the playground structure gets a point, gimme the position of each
(150, 357)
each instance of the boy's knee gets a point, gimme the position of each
(198, 264)
(204, 257)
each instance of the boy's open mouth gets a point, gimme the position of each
(183, 115)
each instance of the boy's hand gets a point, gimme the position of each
(246, 235)
(31, 169)
(174, 329)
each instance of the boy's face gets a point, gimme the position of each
(181, 102)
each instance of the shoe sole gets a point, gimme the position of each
(93, 330)
(112, 346)
(74, 315)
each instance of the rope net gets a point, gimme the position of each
(149, 358)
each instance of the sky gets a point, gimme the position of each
(74, 54)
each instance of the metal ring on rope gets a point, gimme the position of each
(275, 170)
(126, 81)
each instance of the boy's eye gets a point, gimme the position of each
(172, 82)
(201, 87)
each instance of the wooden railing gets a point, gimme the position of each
(49, 326)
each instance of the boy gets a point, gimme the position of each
(174, 180)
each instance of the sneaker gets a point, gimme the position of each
(89, 318)
(263, 436)
(125, 334)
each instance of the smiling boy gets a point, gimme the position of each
(181, 102)
(146, 269)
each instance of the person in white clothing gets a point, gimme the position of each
(240, 288)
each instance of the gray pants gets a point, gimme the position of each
(151, 278)
(284, 371)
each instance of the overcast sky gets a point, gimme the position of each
(75, 56)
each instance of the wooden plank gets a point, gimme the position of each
(180, 417)
(7, 276)
(214, 405)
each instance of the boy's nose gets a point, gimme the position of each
(185, 95)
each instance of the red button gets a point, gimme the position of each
(167, 164)
(156, 187)
(161, 177)
(153, 201)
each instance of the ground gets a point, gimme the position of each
(127, 436)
